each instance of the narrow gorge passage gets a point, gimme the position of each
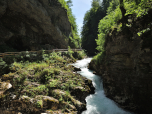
(97, 103)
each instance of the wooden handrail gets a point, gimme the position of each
(17, 53)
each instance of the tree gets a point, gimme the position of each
(95, 4)
(69, 3)
(89, 31)
(123, 11)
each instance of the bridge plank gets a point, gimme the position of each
(45, 51)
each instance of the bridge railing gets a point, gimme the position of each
(2, 55)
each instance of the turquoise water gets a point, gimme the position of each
(97, 103)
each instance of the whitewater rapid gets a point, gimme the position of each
(97, 103)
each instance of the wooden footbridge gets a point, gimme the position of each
(2, 55)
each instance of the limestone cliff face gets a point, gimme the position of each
(127, 66)
(33, 24)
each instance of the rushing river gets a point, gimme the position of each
(97, 103)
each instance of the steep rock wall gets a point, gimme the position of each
(127, 66)
(33, 25)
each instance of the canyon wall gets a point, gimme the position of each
(126, 67)
(33, 25)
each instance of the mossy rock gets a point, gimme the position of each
(9, 76)
(32, 90)
(50, 102)
(60, 94)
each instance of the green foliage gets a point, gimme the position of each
(99, 57)
(110, 21)
(39, 103)
(79, 55)
(90, 26)
(33, 91)
(69, 3)
(74, 38)
(54, 83)
(112, 6)
(3, 65)
(70, 52)
(143, 31)
(16, 66)
(95, 3)
(138, 7)
(105, 25)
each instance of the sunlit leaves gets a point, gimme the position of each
(105, 25)
(113, 5)
(138, 7)
(75, 37)
(90, 26)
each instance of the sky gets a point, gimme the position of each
(79, 9)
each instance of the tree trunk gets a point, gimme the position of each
(123, 11)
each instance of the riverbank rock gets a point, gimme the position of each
(3, 87)
(44, 87)
(33, 25)
(126, 69)
(77, 69)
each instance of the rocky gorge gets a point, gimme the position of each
(126, 65)
(38, 82)
(33, 25)
(34, 83)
